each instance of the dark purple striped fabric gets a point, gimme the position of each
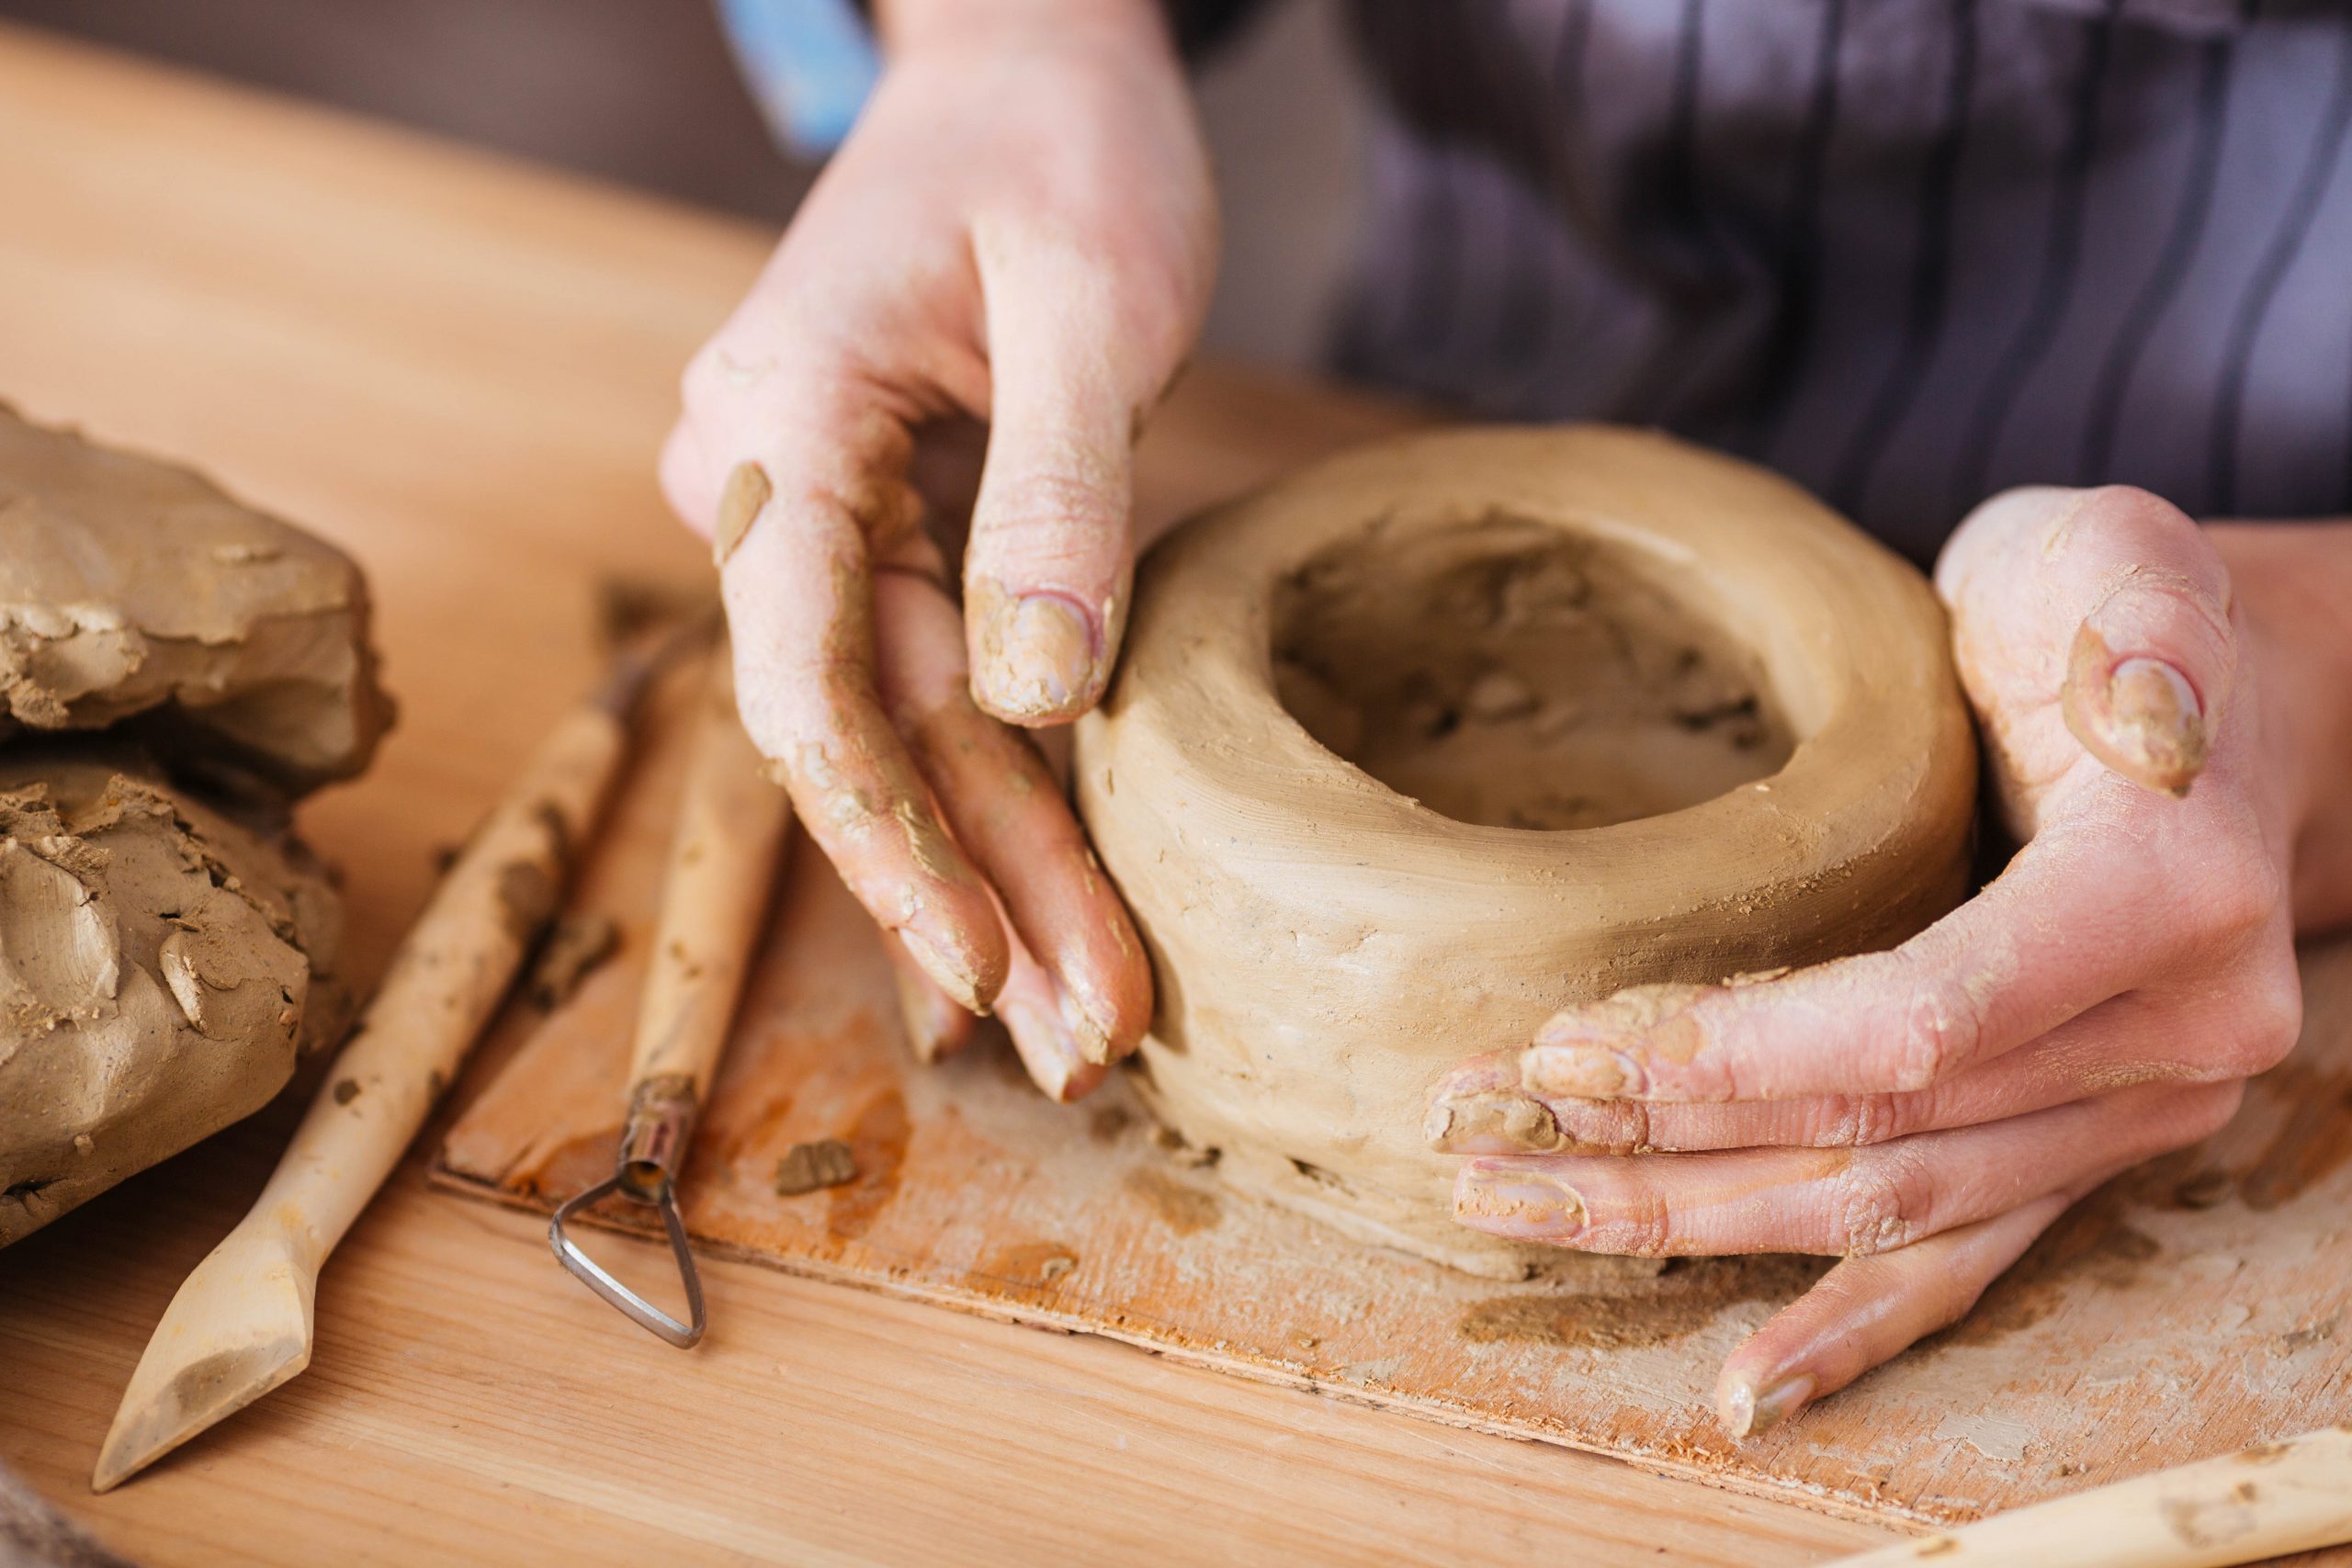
(1910, 251)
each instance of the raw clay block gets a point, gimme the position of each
(135, 593)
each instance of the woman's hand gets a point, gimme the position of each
(2158, 747)
(1019, 230)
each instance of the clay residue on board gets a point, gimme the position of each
(878, 1143)
(805, 1168)
(2313, 1143)
(1507, 673)
(2095, 1241)
(1182, 1208)
(1029, 1265)
(1682, 1300)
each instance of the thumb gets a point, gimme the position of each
(1051, 558)
(2133, 596)
(2153, 659)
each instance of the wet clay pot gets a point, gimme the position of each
(1419, 745)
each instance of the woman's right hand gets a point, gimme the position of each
(1021, 230)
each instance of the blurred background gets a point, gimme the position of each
(646, 93)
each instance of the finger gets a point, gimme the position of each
(1834, 1202)
(1034, 1015)
(1482, 1108)
(2133, 596)
(800, 534)
(1866, 1311)
(1047, 569)
(1009, 814)
(936, 1026)
(2038, 946)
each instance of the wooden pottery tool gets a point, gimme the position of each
(2262, 1502)
(723, 862)
(242, 1323)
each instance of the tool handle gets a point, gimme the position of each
(723, 861)
(2261, 1502)
(444, 983)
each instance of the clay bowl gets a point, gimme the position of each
(1416, 746)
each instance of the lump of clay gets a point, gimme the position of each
(166, 946)
(1420, 745)
(136, 593)
(160, 967)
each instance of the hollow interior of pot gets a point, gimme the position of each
(1510, 672)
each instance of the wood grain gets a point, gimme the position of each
(459, 369)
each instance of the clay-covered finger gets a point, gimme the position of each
(936, 1024)
(1046, 572)
(1034, 1015)
(1010, 814)
(798, 534)
(1839, 1202)
(1868, 1310)
(2041, 944)
(1483, 1108)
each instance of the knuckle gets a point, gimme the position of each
(1881, 1201)
(1615, 1126)
(1881, 1118)
(1644, 1228)
(1053, 513)
(1941, 1028)
(2270, 1019)
(2246, 901)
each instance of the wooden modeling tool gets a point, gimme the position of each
(723, 862)
(242, 1323)
(2262, 1502)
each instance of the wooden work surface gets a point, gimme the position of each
(460, 369)
(2190, 1308)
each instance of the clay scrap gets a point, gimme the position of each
(176, 669)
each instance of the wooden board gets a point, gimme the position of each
(2191, 1308)
(460, 369)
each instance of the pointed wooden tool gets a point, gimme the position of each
(241, 1323)
(723, 863)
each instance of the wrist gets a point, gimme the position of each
(2293, 583)
(908, 28)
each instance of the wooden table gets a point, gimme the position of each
(459, 369)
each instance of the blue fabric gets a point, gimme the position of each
(810, 63)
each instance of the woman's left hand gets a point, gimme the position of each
(1925, 1113)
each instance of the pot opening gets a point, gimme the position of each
(1507, 673)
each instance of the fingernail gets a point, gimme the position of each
(2138, 716)
(1037, 659)
(1530, 1205)
(1048, 1049)
(745, 497)
(1491, 1123)
(959, 984)
(1746, 1413)
(1581, 1072)
(1091, 1037)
